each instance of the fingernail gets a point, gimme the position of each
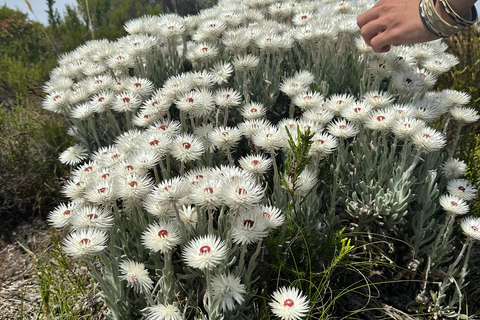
(385, 48)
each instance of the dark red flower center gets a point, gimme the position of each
(105, 175)
(101, 99)
(66, 212)
(253, 110)
(163, 233)
(133, 184)
(190, 100)
(288, 303)
(474, 228)
(357, 110)
(380, 118)
(102, 190)
(137, 84)
(425, 135)
(208, 190)
(454, 203)
(85, 241)
(266, 214)
(248, 223)
(343, 127)
(186, 145)
(242, 191)
(92, 216)
(129, 168)
(163, 127)
(154, 142)
(461, 188)
(126, 100)
(255, 162)
(205, 249)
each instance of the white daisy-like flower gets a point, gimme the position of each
(91, 217)
(196, 175)
(292, 87)
(337, 102)
(245, 63)
(403, 111)
(441, 63)
(464, 115)
(202, 52)
(242, 194)
(163, 312)
(225, 137)
(84, 243)
(82, 111)
(289, 304)
(323, 145)
(136, 276)
(429, 140)
(61, 215)
(133, 189)
(171, 128)
(187, 147)
(126, 102)
(356, 112)
(308, 100)
(102, 193)
(250, 127)
(454, 168)
(456, 98)
(319, 115)
(161, 236)
(407, 127)
(227, 98)
(273, 215)
(102, 101)
(227, 290)
(205, 252)
(453, 205)
(268, 138)
(221, 72)
(253, 110)
(428, 111)
(120, 61)
(471, 227)
(140, 86)
(305, 182)
(249, 226)
(189, 216)
(341, 128)
(58, 101)
(73, 155)
(74, 189)
(256, 164)
(207, 193)
(172, 190)
(378, 99)
(381, 120)
(462, 188)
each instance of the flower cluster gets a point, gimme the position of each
(185, 125)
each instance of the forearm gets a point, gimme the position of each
(461, 7)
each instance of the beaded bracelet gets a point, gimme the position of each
(455, 17)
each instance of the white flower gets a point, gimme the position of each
(462, 188)
(133, 188)
(136, 276)
(256, 164)
(253, 110)
(407, 82)
(454, 168)
(187, 147)
(428, 111)
(268, 138)
(73, 155)
(140, 86)
(356, 112)
(453, 205)
(471, 227)
(189, 216)
(101, 192)
(323, 144)
(429, 140)
(205, 252)
(381, 120)
(403, 111)
(305, 182)
(126, 101)
(227, 98)
(337, 102)
(289, 304)
(84, 242)
(250, 127)
(82, 111)
(341, 128)
(227, 290)
(440, 63)
(242, 193)
(161, 236)
(407, 127)
(102, 101)
(221, 72)
(292, 87)
(378, 99)
(308, 100)
(207, 193)
(171, 190)
(319, 115)
(225, 137)
(91, 216)
(249, 226)
(202, 52)
(245, 63)
(60, 216)
(456, 98)
(273, 215)
(168, 127)
(464, 115)
(163, 312)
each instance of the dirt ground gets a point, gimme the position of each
(18, 294)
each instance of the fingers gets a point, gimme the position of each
(371, 30)
(381, 42)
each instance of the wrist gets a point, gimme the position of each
(443, 14)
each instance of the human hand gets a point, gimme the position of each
(393, 22)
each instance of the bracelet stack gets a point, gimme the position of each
(439, 27)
